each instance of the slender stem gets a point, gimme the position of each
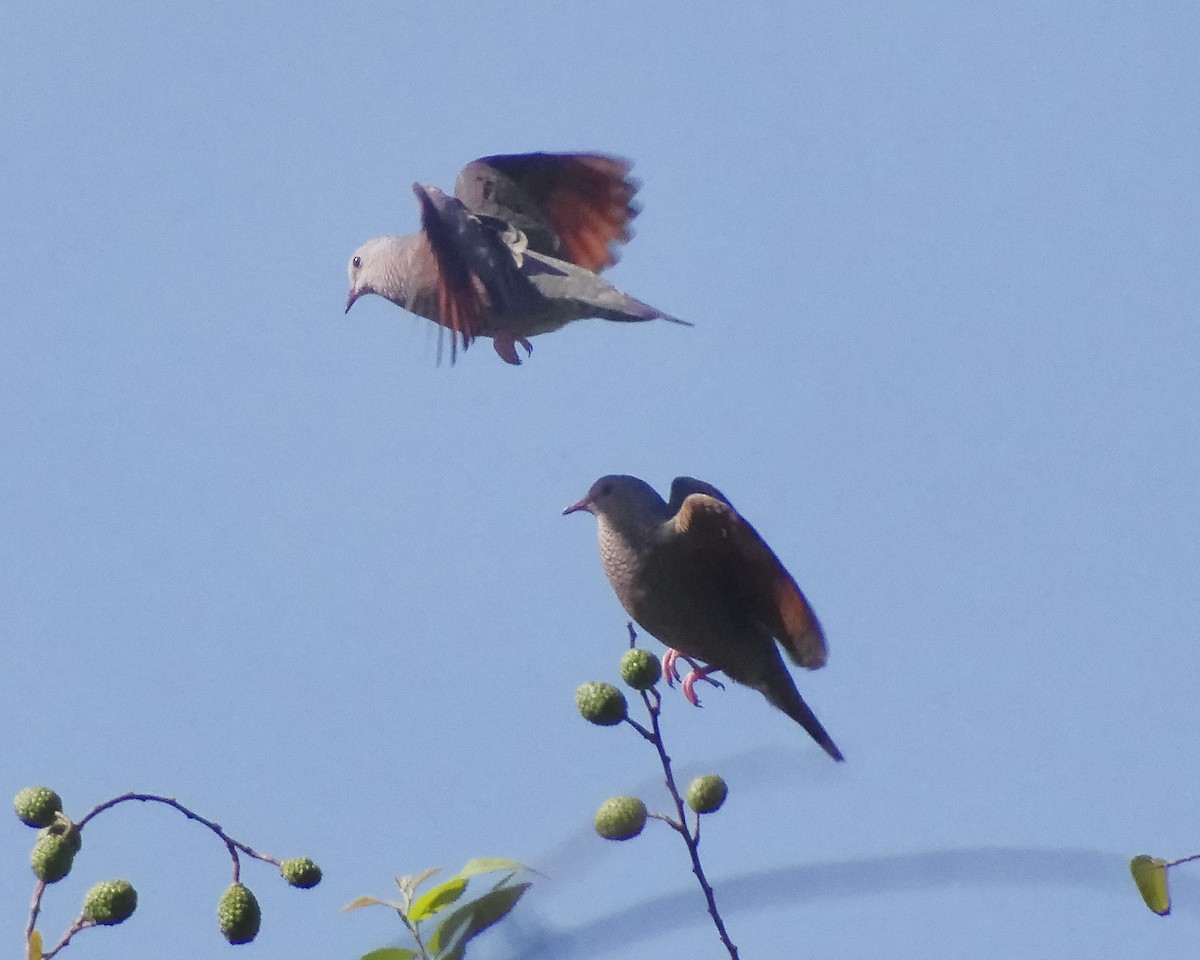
(653, 702)
(233, 846)
(76, 926)
(416, 935)
(1175, 863)
(692, 838)
(34, 909)
(640, 729)
(669, 821)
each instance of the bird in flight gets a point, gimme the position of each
(696, 575)
(516, 252)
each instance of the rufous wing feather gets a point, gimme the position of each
(775, 598)
(574, 206)
(459, 303)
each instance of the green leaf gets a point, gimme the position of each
(450, 939)
(1150, 875)
(35, 946)
(489, 865)
(369, 902)
(390, 953)
(438, 898)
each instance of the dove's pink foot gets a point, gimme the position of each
(698, 672)
(507, 348)
(670, 671)
(689, 683)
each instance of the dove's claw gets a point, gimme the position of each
(506, 347)
(670, 671)
(698, 672)
(689, 683)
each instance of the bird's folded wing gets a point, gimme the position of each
(683, 487)
(476, 272)
(573, 206)
(744, 559)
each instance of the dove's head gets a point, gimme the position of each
(623, 502)
(373, 269)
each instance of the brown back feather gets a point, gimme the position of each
(775, 599)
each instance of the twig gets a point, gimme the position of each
(232, 845)
(691, 837)
(76, 926)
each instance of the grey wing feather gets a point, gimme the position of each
(464, 246)
(571, 206)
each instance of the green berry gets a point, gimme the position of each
(238, 914)
(52, 857)
(600, 703)
(300, 872)
(640, 668)
(110, 902)
(707, 793)
(620, 818)
(36, 806)
(67, 831)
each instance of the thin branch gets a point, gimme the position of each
(232, 845)
(79, 924)
(653, 705)
(669, 821)
(640, 729)
(416, 935)
(34, 909)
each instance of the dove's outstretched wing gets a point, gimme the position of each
(745, 561)
(573, 206)
(476, 273)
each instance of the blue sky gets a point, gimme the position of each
(274, 561)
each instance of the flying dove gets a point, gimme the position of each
(515, 253)
(697, 576)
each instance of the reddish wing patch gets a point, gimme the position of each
(586, 199)
(590, 206)
(775, 597)
(460, 303)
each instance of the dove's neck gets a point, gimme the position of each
(636, 523)
(399, 268)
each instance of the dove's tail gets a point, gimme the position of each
(631, 310)
(781, 692)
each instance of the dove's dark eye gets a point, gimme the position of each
(606, 490)
(357, 261)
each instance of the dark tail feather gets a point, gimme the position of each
(623, 308)
(643, 311)
(782, 693)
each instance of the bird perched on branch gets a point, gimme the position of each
(697, 576)
(515, 253)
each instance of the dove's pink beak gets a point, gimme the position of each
(584, 504)
(354, 295)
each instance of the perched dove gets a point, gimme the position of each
(517, 252)
(698, 577)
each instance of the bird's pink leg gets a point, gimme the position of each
(670, 672)
(698, 672)
(506, 346)
(689, 683)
